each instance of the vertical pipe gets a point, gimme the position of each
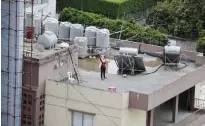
(15, 73)
(24, 18)
(31, 44)
(24, 28)
(33, 121)
(9, 24)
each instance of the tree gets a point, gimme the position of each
(183, 18)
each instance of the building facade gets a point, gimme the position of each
(84, 105)
(46, 65)
(65, 106)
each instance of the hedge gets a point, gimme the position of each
(201, 45)
(110, 8)
(140, 34)
(107, 8)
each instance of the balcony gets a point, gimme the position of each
(196, 118)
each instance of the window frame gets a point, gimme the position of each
(83, 113)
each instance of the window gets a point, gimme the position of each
(29, 96)
(24, 121)
(29, 123)
(24, 116)
(29, 117)
(29, 102)
(25, 95)
(82, 119)
(24, 102)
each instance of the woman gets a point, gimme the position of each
(103, 63)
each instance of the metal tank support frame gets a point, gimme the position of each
(172, 65)
(129, 65)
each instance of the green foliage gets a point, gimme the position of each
(116, 1)
(183, 18)
(109, 8)
(140, 34)
(201, 45)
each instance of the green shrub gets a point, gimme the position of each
(184, 18)
(109, 8)
(201, 45)
(140, 34)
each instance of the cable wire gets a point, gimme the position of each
(66, 82)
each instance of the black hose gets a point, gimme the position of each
(153, 71)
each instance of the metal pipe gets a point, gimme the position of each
(31, 68)
(15, 74)
(9, 25)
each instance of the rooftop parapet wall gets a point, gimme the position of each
(46, 55)
(157, 97)
(180, 85)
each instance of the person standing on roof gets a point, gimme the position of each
(102, 66)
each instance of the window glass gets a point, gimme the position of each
(77, 119)
(87, 120)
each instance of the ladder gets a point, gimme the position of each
(75, 66)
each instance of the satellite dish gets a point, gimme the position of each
(39, 47)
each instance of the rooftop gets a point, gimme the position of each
(140, 83)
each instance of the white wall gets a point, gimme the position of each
(62, 99)
(134, 117)
(200, 90)
(69, 99)
(47, 7)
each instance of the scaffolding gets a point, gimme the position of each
(13, 17)
(12, 58)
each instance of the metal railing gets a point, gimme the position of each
(199, 103)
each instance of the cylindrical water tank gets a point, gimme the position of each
(90, 33)
(48, 39)
(51, 24)
(30, 33)
(38, 27)
(82, 44)
(64, 30)
(53, 36)
(29, 19)
(176, 50)
(128, 51)
(103, 38)
(76, 30)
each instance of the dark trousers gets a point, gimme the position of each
(103, 72)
